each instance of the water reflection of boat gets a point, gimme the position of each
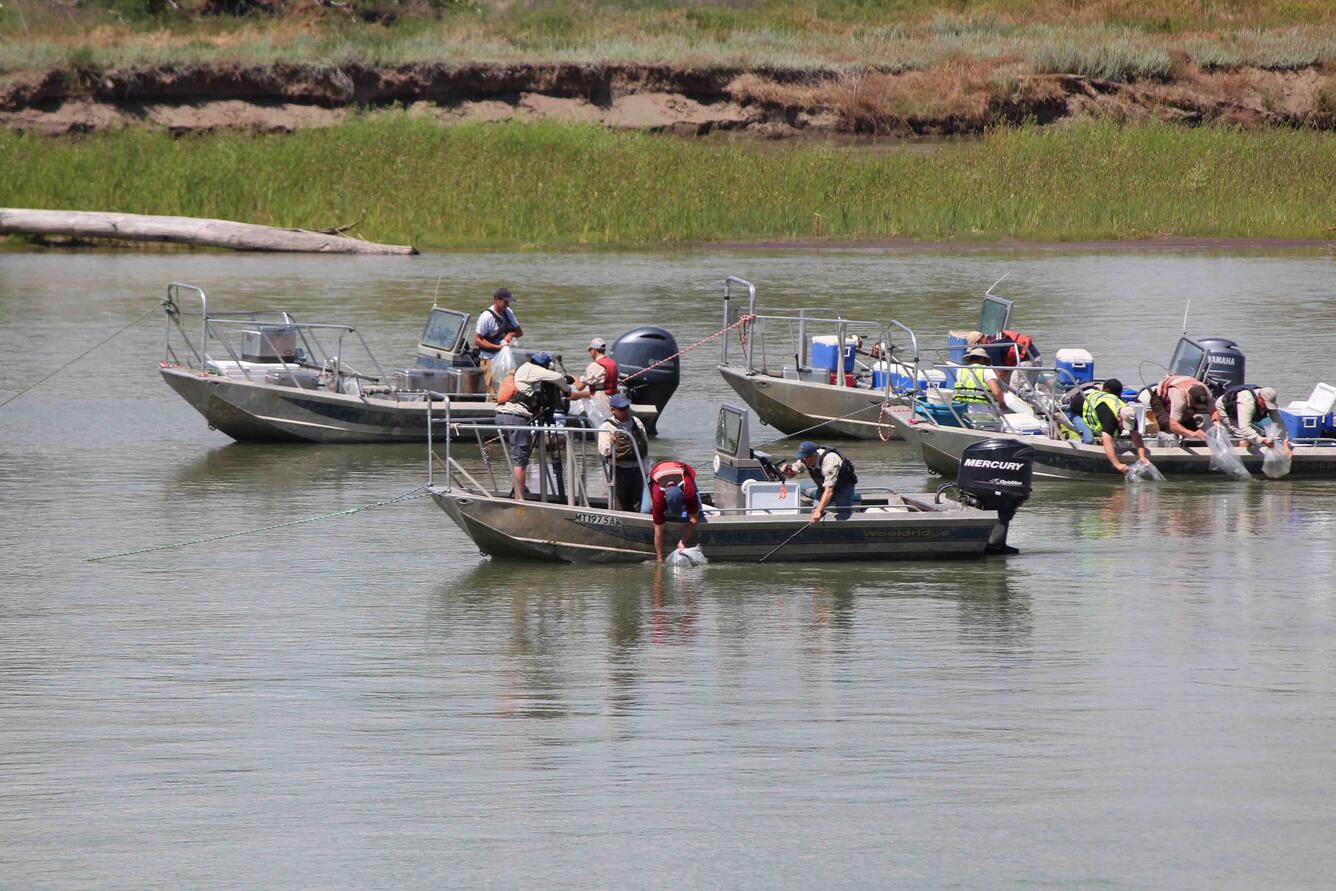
(265, 377)
(750, 514)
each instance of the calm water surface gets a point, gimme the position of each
(1144, 698)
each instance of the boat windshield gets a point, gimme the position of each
(729, 431)
(995, 315)
(443, 329)
(1188, 358)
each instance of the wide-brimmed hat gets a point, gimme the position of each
(977, 353)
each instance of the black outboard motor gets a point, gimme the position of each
(996, 475)
(1224, 364)
(640, 348)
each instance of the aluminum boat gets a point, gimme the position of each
(266, 377)
(751, 514)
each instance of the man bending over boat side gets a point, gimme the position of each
(1244, 406)
(1106, 415)
(673, 495)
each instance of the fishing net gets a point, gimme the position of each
(1223, 458)
(1275, 461)
(692, 556)
(1144, 471)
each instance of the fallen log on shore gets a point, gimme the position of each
(185, 230)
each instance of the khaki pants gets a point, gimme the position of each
(486, 365)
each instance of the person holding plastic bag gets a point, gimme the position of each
(497, 328)
(1244, 406)
(673, 496)
(1180, 405)
(1106, 415)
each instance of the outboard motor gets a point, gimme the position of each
(640, 348)
(996, 475)
(1224, 364)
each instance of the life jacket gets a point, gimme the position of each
(846, 475)
(610, 379)
(1230, 400)
(506, 392)
(502, 320)
(1090, 414)
(621, 445)
(1009, 348)
(666, 473)
(970, 385)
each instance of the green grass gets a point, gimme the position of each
(1105, 38)
(412, 180)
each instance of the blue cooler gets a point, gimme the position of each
(826, 351)
(956, 344)
(880, 376)
(1303, 424)
(1074, 367)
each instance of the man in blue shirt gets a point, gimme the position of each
(496, 328)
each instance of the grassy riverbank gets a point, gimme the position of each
(411, 180)
(1101, 38)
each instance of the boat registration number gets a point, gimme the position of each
(598, 520)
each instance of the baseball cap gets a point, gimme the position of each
(1199, 398)
(1268, 396)
(598, 343)
(675, 499)
(619, 401)
(805, 450)
(502, 294)
(543, 359)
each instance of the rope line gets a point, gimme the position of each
(741, 321)
(851, 414)
(418, 492)
(48, 377)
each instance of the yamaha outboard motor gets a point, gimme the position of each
(1224, 364)
(637, 350)
(996, 475)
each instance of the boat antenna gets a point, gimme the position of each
(1187, 307)
(438, 291)
(996, 283)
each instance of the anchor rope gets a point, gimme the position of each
(877, 405)
(48, 377)
(741, 321)
(418, 492)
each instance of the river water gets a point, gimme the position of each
(1145, 697)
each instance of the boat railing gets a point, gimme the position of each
(757, 328)
(570, 447)
(1040, 393)
(568, 444)
(218, 326)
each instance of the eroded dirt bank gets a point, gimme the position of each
(957, 98)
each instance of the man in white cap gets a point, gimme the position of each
(601, 374)
(1242, 407)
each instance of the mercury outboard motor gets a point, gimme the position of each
(996, 475)
(637, 350)
(1224, 364)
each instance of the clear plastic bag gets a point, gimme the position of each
(505, 361)
(1275, 461)
(1143, 471)
(692, 556)
(1223, 458)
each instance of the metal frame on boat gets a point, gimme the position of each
(748, 516)
(796, 398)
(263, 376)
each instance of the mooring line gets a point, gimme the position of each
(741, 321)
(80, 356)
(418, 492)
(877, 405)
